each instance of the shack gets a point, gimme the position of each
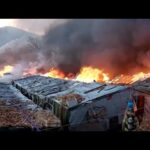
(80, 106)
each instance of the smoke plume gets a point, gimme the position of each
(118, 46)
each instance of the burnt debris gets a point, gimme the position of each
(17, 112)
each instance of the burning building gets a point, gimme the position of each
(79, 105)
(79, 50)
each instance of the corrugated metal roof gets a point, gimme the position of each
(8, 92)
(109, 89)
(59, 89)
(142, 86)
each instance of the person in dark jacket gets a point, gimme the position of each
(130, 121)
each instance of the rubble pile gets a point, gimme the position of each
(16, 114)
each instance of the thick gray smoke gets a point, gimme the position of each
(118, 46)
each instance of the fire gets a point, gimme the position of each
(6, 69)
(89, 74)
(55, 73)
(140, 76)
(128, 79)
(86, 74)
(105, 77)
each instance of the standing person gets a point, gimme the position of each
(130, 121)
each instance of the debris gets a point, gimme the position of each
(16, 110)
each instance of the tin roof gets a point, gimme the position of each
(68, 91)
(142, 86)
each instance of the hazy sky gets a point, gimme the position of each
(37, 26)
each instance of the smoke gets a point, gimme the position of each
(37, 26)
(118, 46)
(25, 54)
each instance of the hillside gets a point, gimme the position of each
(11, 33)
(17, 45)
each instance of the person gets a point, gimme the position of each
(130, 121)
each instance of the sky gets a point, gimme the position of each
(6, 22)
(37, 26)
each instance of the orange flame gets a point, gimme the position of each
(55, 73)
(6, 69)
(126, 79)
(87, 74)
(105, 77)
(90, 74)
(140, 76)
(129, 79)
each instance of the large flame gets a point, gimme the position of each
(86, 74)
(129, 79)
(140, 76)
(89, 74)
(55, 73)
(6, 69)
